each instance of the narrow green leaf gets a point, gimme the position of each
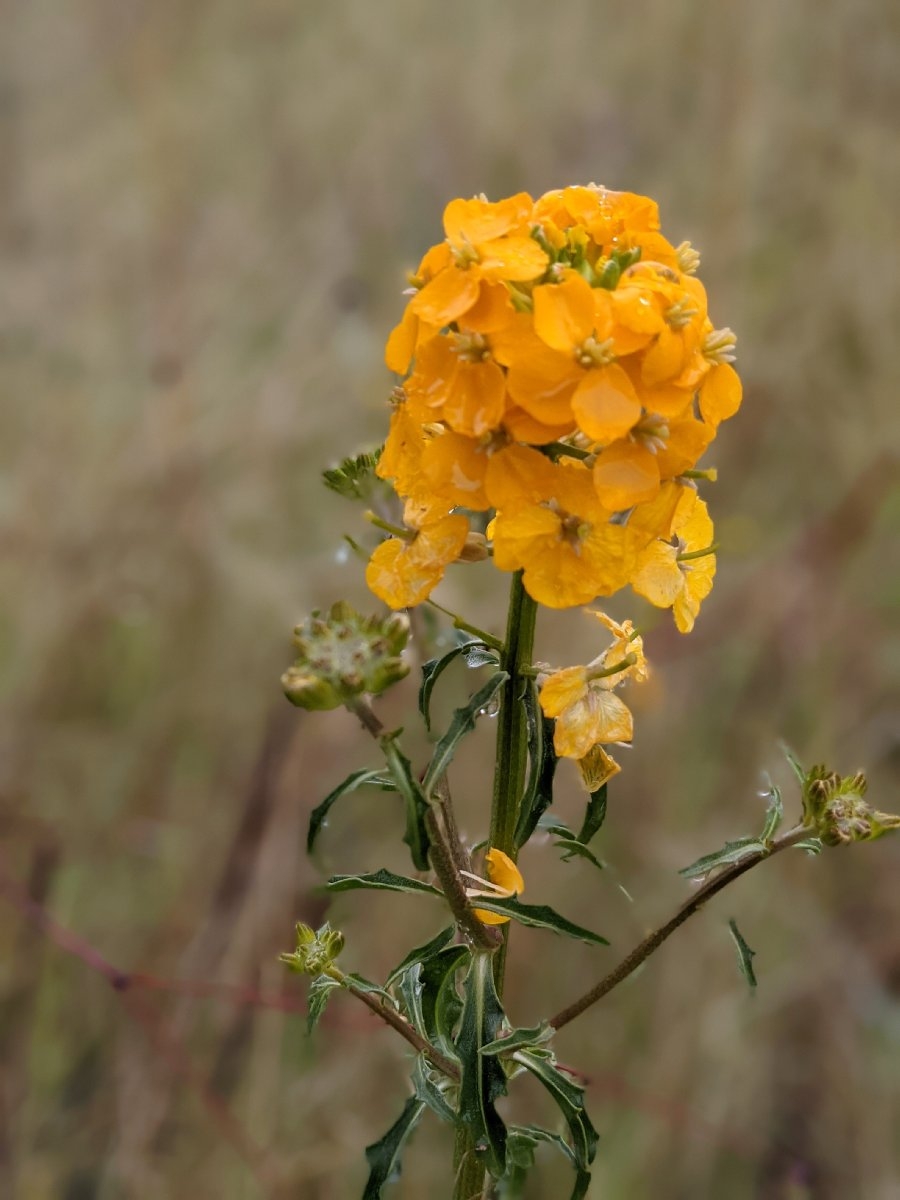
(366, 985)
(435, 667)
(731, 852)
(317, 998)
(357, 780)
(416, 836)
(383, 1156)
(441, 1005)
(575, 849)
(794, 763)
(410, 987)
(483, 1078)
(774, 815)
(542, 769)
(383, 880)
(431, 1086)
(480, 654)
(423, 953)
(570, 1099)
(594, 816)
(461, 723)
(516, 1039)
(540, 916)
(744, 953)
(811, 845)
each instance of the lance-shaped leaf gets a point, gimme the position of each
(794, 763)
(317, 998)
(540, 916)
(570, 1099)
(594, 816)
(358, 779)
(475, 653)
(744, 953)
(483, 1078)
(731, 852)
(461, 723)
(423, 953)
(441, 1005)
(542, 769)
(416, 836)
(383, 1156)
(382, 880)
(410, 988)
(516, 1039)
(774, 815)
(811, 845)
(431, 1087)
(520, 1159)
(567, 843)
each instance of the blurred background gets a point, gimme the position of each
(206, 213)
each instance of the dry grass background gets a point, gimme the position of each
(205, 213)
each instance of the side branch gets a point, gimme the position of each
(403, 1027)
(654, 940)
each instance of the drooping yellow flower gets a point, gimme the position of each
(678, 572)
(504, 880)
(582, 701)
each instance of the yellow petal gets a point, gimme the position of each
(503, 871)
(625, 474)
(657, 576)
(605, 404)
(451, 293)
(720, 394)
(564, 312)
(596, 768)
(562, 689)
(517, 259)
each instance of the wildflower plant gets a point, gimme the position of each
(559, 380)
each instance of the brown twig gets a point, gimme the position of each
(403, 1027)
(654, 940)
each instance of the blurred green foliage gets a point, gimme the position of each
(206, 211)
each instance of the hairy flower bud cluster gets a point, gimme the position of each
(344, 655)
(316, 949)
(561, 375)
(833, 805)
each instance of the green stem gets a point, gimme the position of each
(466, 627)
(512, 730)
(509, 785)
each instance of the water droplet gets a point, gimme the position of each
(491, 709)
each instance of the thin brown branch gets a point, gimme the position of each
(654, 940)
(391, 1017)
(484, 936)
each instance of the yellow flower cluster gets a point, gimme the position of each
(560, 374)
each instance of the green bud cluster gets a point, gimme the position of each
(354, 478)
(834, 806)
(316, 950)
(345, 655)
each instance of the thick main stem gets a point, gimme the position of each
(509, 785)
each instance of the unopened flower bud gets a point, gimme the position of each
(345, 655)
(316, 950)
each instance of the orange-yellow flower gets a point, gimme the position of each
(404, 571)
(504, 880)
(678, 573)
(551, 525)
(486, 243)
